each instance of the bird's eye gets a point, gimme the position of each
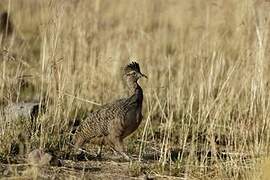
(131, 73)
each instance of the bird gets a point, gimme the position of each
(113, 122)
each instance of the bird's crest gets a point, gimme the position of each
(133, 66)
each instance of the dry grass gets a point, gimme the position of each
(206, 108)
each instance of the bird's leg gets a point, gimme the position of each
(119, 148)
(114, 151)
(78, 143)
(99, 152)
(125, 156)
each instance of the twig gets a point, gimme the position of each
(81, 99)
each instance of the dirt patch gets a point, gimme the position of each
(93, 169)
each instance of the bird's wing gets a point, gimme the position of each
(99, 121)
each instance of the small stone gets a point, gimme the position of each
(38, 157)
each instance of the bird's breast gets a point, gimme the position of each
(132, 121)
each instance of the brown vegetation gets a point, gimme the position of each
(206, 101)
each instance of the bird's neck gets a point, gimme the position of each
(135, 90)
(132, 86)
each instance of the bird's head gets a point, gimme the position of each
(132, 72)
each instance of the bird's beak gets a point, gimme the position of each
(143, 75)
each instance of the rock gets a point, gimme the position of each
(39, 158)
(22, 110)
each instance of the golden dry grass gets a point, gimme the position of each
(206, 107)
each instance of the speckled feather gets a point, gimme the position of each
(97, 124)
(115, 121)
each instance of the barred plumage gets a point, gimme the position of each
(113, 122)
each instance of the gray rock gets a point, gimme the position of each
(38, 157)
(22, 110)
